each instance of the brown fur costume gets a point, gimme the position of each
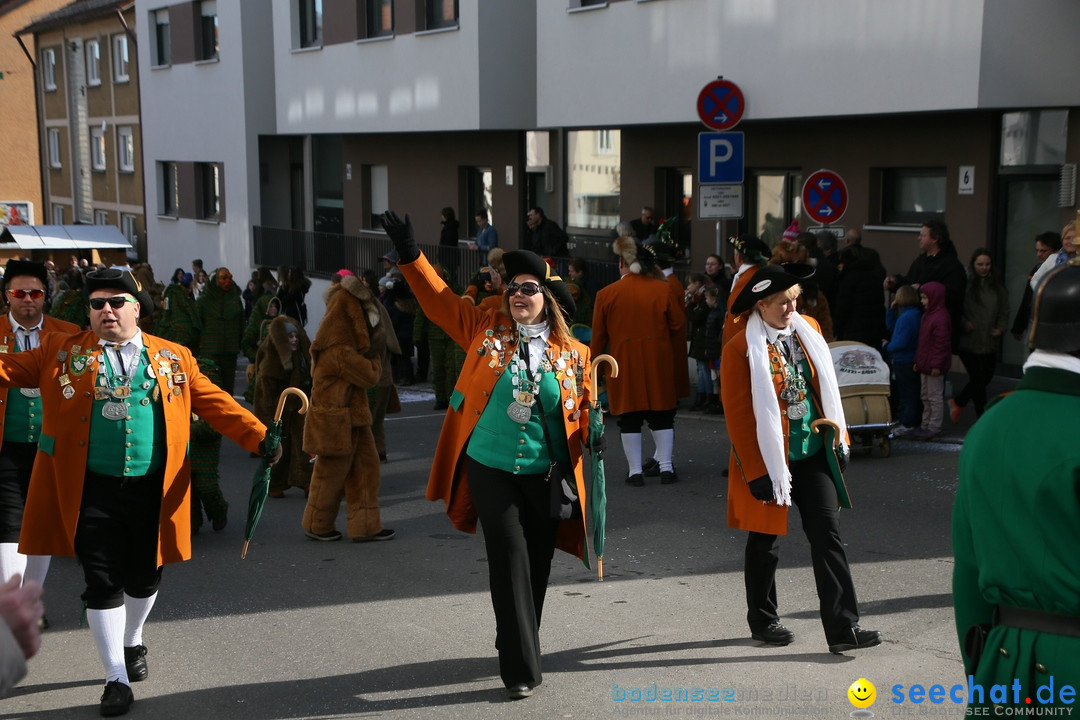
(280, 367)
(346, 360)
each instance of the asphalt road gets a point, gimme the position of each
(404, 629)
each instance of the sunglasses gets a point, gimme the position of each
(527, 288)
(20, 294)
(115, 302)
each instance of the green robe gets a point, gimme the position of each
(1016, 533)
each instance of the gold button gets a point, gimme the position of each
(127, 470)
(1004, 652)
(82, 442)
(486, 393)
(1039, 667)
(128, 445)
(496, 373)
(83, 419)
(517, 467)
(477, 412)
(522, 427)
(521, 441)
(86, 394)
(521, 454)
(33, 415)
(128, 458)
(129, 431)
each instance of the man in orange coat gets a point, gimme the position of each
(635, 319)
(110, 483)
(25, 288)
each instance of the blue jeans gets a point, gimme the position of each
(907, 394)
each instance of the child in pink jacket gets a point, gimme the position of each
(933, 356)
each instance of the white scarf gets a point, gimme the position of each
(770, 429)
(1057, 361)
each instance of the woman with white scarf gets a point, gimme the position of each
(789, 444)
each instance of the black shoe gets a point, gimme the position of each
(324, 537)
(650, 468)
(135, 660)
(384, 534)
(668, 477)
(637, 480)
(856, 639)
(117, 699)
(382, 457)
(519, 691)
(220, 523)
(440, 406)
(775, 634)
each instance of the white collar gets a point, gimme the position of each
(16, 326)
(1057, 361)
(771, 333)
(135, 341)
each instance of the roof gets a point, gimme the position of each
(63, 237)
(76, 12)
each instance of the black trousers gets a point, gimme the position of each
(16, 465)
(631, 422)
(980, 369)
(814, 494)
(116, 538)
(519, 536)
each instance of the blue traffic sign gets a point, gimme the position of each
(721, 157)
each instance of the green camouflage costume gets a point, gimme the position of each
(71, 306)
(446, 357)
(180, 320)
(222, 315)
(205, 456)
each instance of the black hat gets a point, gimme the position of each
(14, 268)
(769, 280)
(1055, 324)
(751, 248)
(521, 262)
(124, 281)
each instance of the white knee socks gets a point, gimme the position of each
(37, 567)
(107, 627)
(11, 561)
(631, 445)
(137, 611)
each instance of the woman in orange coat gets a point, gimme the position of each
(777, 382)
(525, 385)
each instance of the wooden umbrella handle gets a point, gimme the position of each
(600, 360)
(816, 427)
(285, 396)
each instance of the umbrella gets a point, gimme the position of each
(598, 491)
(260, 484)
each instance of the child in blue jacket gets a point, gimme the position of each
(902, 321)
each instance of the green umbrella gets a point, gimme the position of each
(260, 484)
(598, 491)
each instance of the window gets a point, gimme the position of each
(912, 195)
(379, 192)
(208, 30)
(380, 18)
(54, 148)
(58, 215)
(442, 14)
(48, 68)
(125, 148)
(128, 227)
(209, 178)
(775, 198)
(168, 190)
(97, 148)
(93, 63)
(592, 189)
(101, 217)
(120, 58)
(161, 50)
(310, 23)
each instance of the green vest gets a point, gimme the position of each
(22, 419)
(135, 445)
(495, 431)
(802, 441)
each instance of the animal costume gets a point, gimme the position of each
(280, 367)
(346, 360)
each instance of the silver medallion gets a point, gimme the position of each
(114, 410)
(797, 411)
(519, 413)
(31, 392)
(69, 392)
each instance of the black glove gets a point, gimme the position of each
(400, 233)
(272, 457)
(842, 458)
(598, 444)
(761, 488)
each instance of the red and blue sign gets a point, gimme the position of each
(721, 104)
(824, 196)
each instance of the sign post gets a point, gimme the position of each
(721, 155)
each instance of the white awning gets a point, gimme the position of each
(63, 237)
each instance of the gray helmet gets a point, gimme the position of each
(1056, 318)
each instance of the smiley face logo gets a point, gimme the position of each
(862, 693)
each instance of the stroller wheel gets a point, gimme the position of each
(886, 447)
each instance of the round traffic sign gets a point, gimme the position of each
(824, 196)
(720, 104)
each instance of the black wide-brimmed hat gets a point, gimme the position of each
(1055, 319)
(124, 281)
(14, 268)
(769, 280)
(522, 262)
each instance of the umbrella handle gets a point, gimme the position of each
(816, 427)
(285, 396)
(600, 360)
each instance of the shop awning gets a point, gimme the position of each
(62, 237)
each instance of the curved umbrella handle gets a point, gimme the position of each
(816, 427)
(285, 396)
(600, 360)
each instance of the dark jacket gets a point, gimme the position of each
(548, 240)
(714, 332)
(946, 269)
(858, 311)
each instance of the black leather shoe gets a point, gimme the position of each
(667, 478)
(650, 468)
(637, 480)
(519, 691)
(775, 634)
(856, 639)
(117, 699)
(135, 659)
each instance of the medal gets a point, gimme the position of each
(525, 398)
(30, 392)
(179, 378)
(69, 392)
(113, 410)
(797, 411)
(519, 413)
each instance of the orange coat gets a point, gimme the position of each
(48, 324)
(734, 323)
(678, 339)
(745, 512)
(636, 318)
(467, 326)
(52, 505)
